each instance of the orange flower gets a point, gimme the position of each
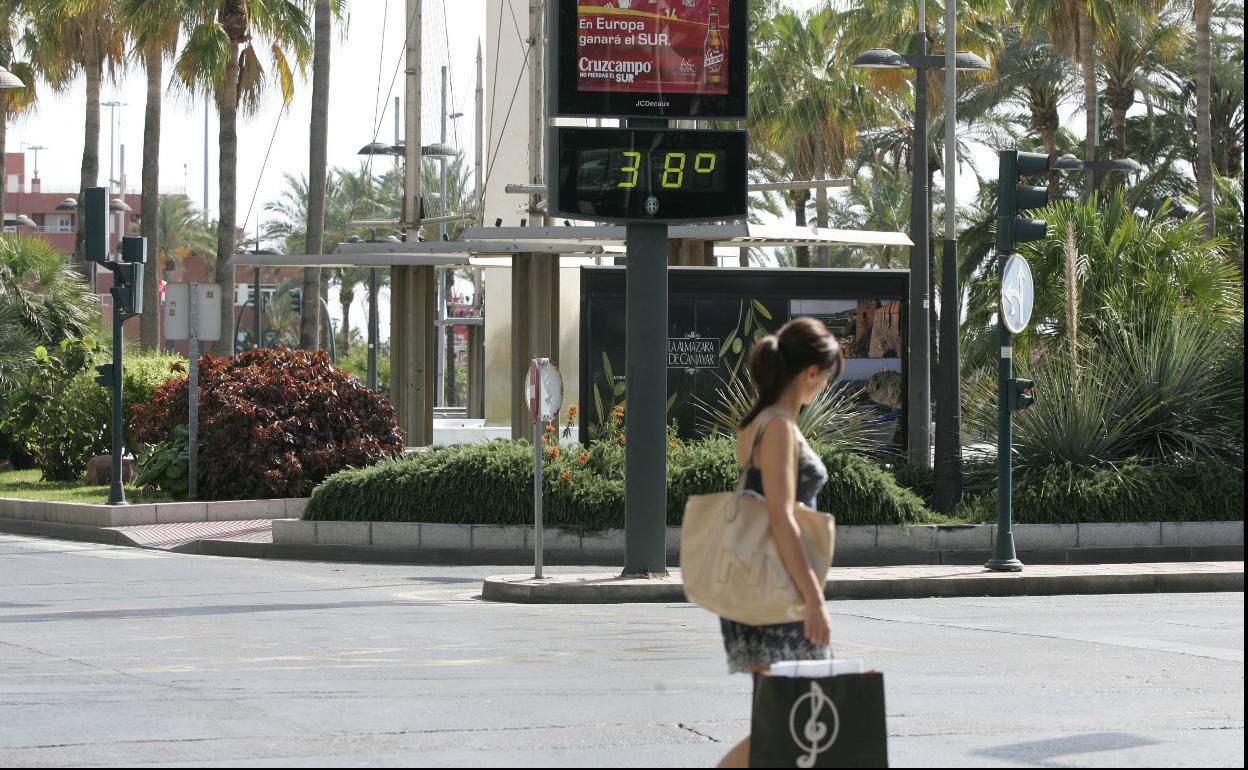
(674, 445)
(622, 438)
(554, 452)
(550, 428)
(566, 476)
(584, 458)
(572, 412)
(545, 440)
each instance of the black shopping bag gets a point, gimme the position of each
(835, 721)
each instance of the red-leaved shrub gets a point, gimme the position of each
(274, 423)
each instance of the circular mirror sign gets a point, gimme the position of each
(1017, 294)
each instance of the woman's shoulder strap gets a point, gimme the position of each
(763, 420)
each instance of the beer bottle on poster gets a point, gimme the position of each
(713, 54)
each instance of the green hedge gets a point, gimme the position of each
(1196, 491)
(492, 484)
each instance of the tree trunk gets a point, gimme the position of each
(4, 134)
(90, 158)
(1087, 62)
(799, 218)
(448, 332)
(1049, 137)
(821, 219)
(227, 106)
(309, 326)
(346, 295)
(149, 325)
(1204, 129)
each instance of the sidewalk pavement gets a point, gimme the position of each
(253, 538)
(910, 582)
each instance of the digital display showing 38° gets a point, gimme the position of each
(603, 170)
(666, 175)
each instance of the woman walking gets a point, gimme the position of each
(789, 369)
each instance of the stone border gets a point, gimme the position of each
(90, 515)
(1125, 579)
(856, 545)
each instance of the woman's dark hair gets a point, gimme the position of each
(778, 358)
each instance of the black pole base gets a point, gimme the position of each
(1005, 565)
(117, 494)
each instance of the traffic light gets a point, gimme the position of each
(1014, 198)
(105, 377)
(1020, 394)
(296, 301)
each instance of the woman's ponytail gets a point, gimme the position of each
(777, 358)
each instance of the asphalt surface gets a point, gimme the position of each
(119, 656)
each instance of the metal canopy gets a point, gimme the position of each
(401, 254)
(722, 235)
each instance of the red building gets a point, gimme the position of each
(53, 210)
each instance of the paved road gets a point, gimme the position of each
(115, 656)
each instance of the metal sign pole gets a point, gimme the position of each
(536, 409)
(192, 423)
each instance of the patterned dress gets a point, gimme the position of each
(760, 646)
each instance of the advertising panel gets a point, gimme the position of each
(716, 315)
(648, 58)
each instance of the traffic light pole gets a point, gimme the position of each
(1004, 558)
(116, 490)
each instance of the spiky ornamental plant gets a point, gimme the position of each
(835, 418)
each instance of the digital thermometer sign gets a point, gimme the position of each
(658, 175)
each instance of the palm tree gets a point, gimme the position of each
(181, 231)
(1076, 26)
(348, 278)
(154, 26)
(309, 324)
(13, 101)
(878, 200)
(800, 112)
(70, 36)
(1136, 58)
(220, 60)
(1029, 75)
(42, 300)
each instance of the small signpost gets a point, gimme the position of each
(544, 390)
(646, 66)
(193, 313)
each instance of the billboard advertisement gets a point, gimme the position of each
(648, 58)
(652, 47)
(715, 316)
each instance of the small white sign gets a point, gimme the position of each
(178, 311)
(552, 390)
(1017, 294)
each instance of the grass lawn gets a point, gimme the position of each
(28, 486)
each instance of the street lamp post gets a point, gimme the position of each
(35, 148)
(919, 393)
(112, 135)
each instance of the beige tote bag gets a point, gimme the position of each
(729, 561)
